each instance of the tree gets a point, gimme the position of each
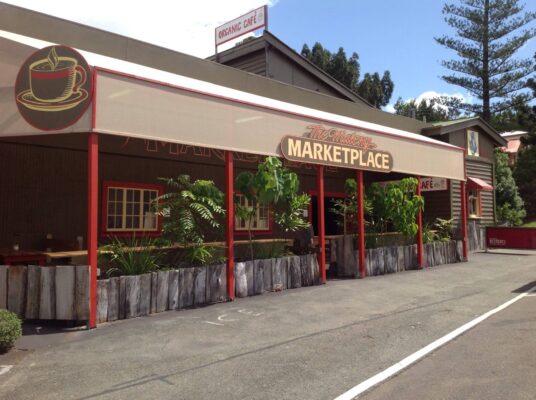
(525, 173)
(272, 184)
(486, 44)
(373, 88)
(510, 208)
(430, 110)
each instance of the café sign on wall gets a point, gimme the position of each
(336, 147)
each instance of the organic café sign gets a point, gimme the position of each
(336, 147)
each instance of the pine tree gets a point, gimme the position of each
(429, 110)
(375, 90)
(510, 207)
(486, 44)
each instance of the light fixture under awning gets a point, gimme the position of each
(479, 184)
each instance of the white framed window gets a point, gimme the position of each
(261, 219)
(129, 207)
(473, 203)
(473, 147)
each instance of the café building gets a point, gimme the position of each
(90, 120)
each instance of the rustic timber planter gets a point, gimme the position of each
(391, 259)
(34, 292)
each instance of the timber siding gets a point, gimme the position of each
(477, 169)
(253, 62)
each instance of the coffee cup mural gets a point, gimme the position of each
(54, 81)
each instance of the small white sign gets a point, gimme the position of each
(249, 22)
(433, 184)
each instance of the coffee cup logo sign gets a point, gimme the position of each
(336, 147)
(53, 88)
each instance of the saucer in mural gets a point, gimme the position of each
(27, 99)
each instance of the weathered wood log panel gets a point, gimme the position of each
(294, 272)
(173, 290)
(306, 270)
(3, 286)
(132, 287)
(401, 261)
(65, 292)
(154, 286)
(122, 297)
(250, 268)
(217, 283)
(200, 286)
(81, 292)
(47, 293)
(241, 280)
(186, 287)
(16, 289)
(33, 292)
(145, 294)
(390, 259)
(258, 277)
(459, 251)
(267, 274)
(102, 300)
(162, 290)
(113, 299)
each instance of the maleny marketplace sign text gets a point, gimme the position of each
(336, 148)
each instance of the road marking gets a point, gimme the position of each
(4, 369)
(222, 318)
(213, 323)
(406, 362)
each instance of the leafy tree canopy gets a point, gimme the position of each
(510, 207)
(488, 35)
(373, 88)
(429, 110)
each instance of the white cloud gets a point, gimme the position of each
(187, 27)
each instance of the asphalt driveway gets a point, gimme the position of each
(309, 343)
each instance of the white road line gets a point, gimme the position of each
(213, 323)
(394, 369)
(4, 369)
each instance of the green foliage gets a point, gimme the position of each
(346, 209)
(444, 229)
(268, 250)
(510, 207)
(487, 37)
(428, 110)
(190, 209)
(10, 329)
(377, 91)
(276, 186)
(135, 256)
(394, 204)
(428, 236)
(202, 255)
(524, 174)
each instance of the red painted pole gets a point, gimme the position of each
(361, 225)
(420, 252)
(230, 219)
(92, 223)
(464, 218)
(321, 222)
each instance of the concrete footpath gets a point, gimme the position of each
(310, 343)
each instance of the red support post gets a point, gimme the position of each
(420, 252)
(464, 218)
(321, 222)
(230, 218)
(361, 225)
(92, 223)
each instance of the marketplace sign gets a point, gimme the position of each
(336, 147)
(249, 22)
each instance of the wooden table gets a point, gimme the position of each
(24, 257)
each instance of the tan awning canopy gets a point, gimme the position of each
(137, 101)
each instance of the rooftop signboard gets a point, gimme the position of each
(249, 22)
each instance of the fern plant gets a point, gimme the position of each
(190, 209)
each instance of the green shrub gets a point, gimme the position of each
(132, 257)
(10, 329)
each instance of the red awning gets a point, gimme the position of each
(476, 183)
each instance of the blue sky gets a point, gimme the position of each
(395, 35)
